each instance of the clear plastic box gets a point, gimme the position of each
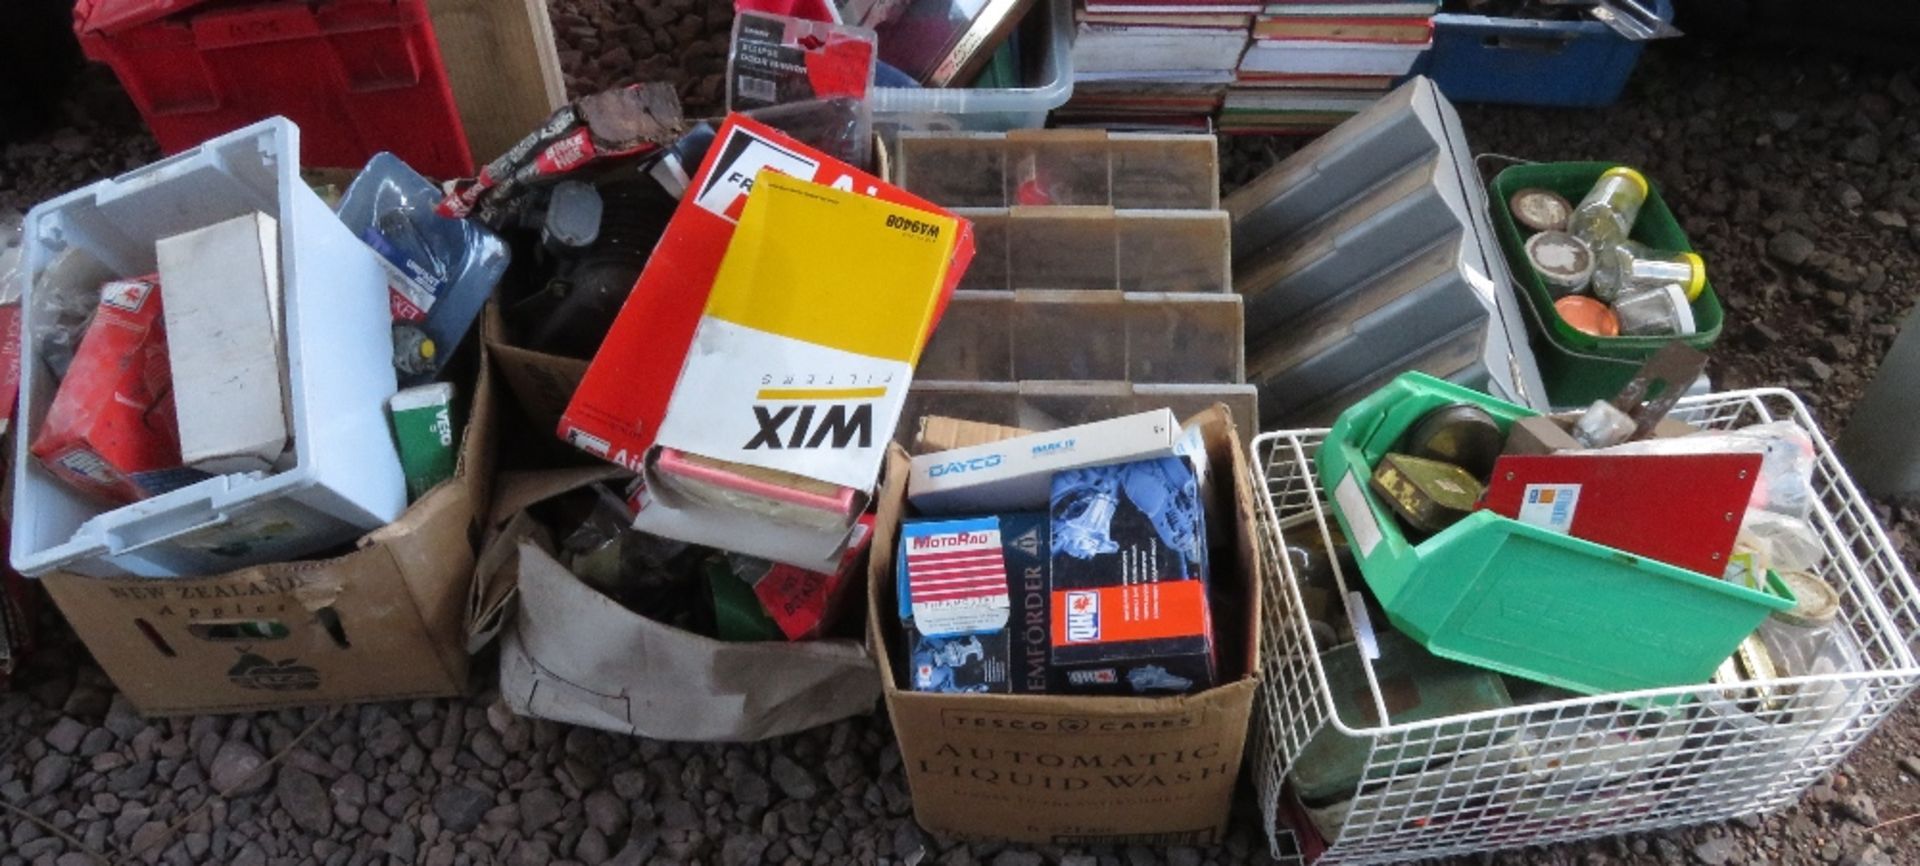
(1141, 337)
(1098, 248)
(956, 108)
(345, 478)
(1051, 405)
(1061, 167)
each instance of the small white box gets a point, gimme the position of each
(220, 292)
(1017, 474)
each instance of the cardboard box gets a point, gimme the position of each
(1065, 770)
(227, 350)
(384, 622)
(617, 412)
(1015, 473)
(959, 579)
(574, 655)
(1128, 580)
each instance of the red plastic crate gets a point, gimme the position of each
(357, 76)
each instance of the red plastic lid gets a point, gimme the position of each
(114, 16)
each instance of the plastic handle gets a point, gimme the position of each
(1530, 44)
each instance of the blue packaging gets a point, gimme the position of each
(1128, 580)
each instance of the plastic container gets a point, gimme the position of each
(358, 76)
(1521, 599)
(1570, 767)
(1051, 405)
(934, 109)
(1059, 168)
(1098, 248)
(1580, 368)
(345, 478)
(1477, 58)
(1141, 337)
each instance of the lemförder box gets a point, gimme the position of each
(1072, 769)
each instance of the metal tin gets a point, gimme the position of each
(1749, 669)
(1563, 261)
(1428, 494)
(1461, 434)
(1587, 316)
(1541, 210)
(1815, 603)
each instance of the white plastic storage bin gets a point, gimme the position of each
(1573, 766)
(951, 108)
(345, 477)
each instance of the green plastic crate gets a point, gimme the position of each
(1519, 599)
(1579, 368)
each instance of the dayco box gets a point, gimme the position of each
(385, 622)
(1058, 769)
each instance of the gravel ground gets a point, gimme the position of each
(1796, 175)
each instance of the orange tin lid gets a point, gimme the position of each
(1587, 315)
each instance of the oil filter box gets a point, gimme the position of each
(1067, 769)
(1128, 580)
(973, 603)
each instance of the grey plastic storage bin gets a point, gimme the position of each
(1369, 253)
(1098, 248)
(955, 108)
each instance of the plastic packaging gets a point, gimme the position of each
(776, 60)
(578, 139)
(1603, 425)
(1654, 312)
(1786, 454)
(10, 270)
(63, 301)
(1606, 215)
(440, 271)
(1631, 265)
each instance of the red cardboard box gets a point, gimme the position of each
(616, 412)
(111, 429)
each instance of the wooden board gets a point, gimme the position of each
(504, 68)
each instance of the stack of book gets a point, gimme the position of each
(1315, 63)
(1154, 64)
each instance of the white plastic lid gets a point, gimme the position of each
(1683, 322)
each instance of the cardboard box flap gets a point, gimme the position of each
(496, 570)
(576, 656)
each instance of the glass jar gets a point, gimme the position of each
(1606, 216)
(1632, 265)
(1655, 312)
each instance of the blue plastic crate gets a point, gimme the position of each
(1476, 58)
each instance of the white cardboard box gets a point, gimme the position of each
(1018, 473)
(220, 290)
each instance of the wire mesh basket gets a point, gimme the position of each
(1578, 767)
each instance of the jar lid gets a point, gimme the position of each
(1542, 210)
(1588, 316)
(1815, 603)
(1683, 322)
(1561, 259)
(1697, 282)
(1636, 177)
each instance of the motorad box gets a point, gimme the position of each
(385, 622)
(1066, 769)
